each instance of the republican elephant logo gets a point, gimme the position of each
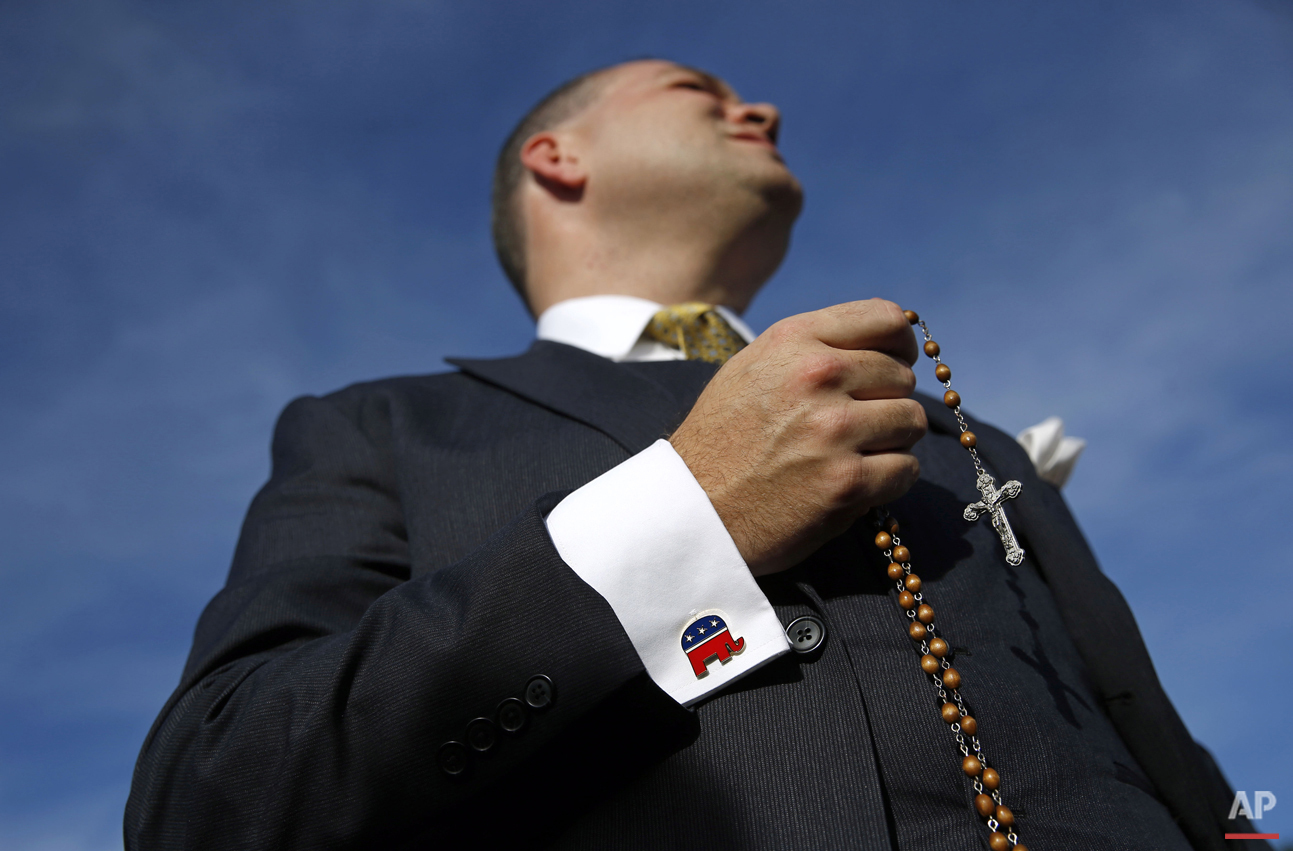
(708, 638)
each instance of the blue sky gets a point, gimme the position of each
(207, 209)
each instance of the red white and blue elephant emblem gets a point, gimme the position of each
(707, 638)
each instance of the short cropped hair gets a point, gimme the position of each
(506, 217)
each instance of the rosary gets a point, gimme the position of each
(921, 628)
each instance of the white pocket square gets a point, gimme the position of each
(1053, 454)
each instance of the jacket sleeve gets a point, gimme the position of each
(327, 698)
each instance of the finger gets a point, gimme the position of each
(890, 475)
(884, 425)
(874, 324)
(868, 374)
(862, 373)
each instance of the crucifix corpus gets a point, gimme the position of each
(991, 506)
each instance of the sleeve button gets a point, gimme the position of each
(453, 758)
(511, 715)
(539, 692)
(806, 634)
(481, 734)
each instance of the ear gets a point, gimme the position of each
(554, 164)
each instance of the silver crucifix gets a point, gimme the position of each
(991, 506)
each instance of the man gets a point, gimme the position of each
(459, 611)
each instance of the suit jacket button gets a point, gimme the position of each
(539, 692)
(511, 715)
(481, 734)
(453, 758)
(806, 634)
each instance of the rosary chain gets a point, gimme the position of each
(938, 361)
(985, 780)
(931, 629)
(968, 747)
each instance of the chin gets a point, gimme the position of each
(785, 196)
(776, 182)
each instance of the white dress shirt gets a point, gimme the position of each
(644, 534)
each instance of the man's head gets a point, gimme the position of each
(647, 178)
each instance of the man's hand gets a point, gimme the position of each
(806, 429)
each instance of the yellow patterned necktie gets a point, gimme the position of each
(697, 330)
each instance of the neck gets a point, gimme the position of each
(565, 260)
(663, 277)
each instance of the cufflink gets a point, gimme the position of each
(706, 638)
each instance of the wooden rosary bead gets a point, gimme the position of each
(929, 664)
(1004, 816)
(912, 582)
(971, 766)
(893, 526)
(998, 842)
(931, 349)
(1019, 846)
(907, 600)
(942, 372)
(882, 541)
(984, 804)
(912, 316)
(991, 778)
(969, 726)
(951, 398)
(938, 647)
(901, 554)
(951, 679)
(968, 440)
(951, 712)
(896, 571)
(917, 630)
(925, 614)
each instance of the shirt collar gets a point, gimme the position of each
(610, 325)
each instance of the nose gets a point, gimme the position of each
(762, 115)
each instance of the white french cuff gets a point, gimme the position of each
(645, 536)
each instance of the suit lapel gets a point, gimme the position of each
(1104, 631)
(633, 404)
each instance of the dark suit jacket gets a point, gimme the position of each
(394, 580)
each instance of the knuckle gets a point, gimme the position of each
(835, 424)
(887, 310)
(902, 469)
(850, 479)
(820, 369)
(850, 311)
(907, 383)
(919, 421)
(784, 330)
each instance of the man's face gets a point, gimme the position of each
(664, 138)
